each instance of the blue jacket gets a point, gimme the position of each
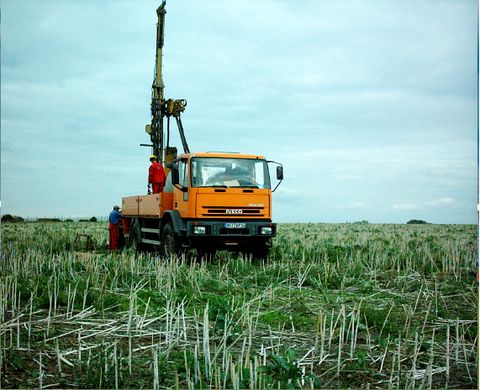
(115, 217)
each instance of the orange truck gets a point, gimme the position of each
(211, 200)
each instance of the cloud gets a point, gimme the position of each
(405, 206)
(365, 103)
(447, 201)
(354, 205)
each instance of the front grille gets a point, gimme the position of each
(222, 211)
(235, 231)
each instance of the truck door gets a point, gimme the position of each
(181, 197)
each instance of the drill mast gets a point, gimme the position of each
(160, 107)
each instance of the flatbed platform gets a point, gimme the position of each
(147, 205)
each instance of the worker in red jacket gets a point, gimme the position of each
(156, 175)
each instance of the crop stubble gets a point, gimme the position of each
(360, 305)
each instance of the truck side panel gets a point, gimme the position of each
(166, 202)
(130, 205)
(148, 206)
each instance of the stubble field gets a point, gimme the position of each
(335, 306)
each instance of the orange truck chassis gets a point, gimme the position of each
(211, 201)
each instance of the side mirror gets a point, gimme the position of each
(279, 172)
(175, 177)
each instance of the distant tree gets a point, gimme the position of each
(68, 220)
(93, 219)
(363, 222)
(11, 218)
(416, 222)
(7, 218)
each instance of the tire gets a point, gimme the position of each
(260, 251)
(170, 243)
(135, 239)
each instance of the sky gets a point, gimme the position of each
(371, 106)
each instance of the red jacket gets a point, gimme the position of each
(156, 173)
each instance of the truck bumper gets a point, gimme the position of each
(230, 229)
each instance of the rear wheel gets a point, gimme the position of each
(135, 240)
(170, 243)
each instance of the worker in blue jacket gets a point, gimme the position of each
(114, 220)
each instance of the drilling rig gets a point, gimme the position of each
(163, 109)
(211, 200)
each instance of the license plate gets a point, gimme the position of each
(235, 225)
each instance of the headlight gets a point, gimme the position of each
(199, 230)
(266, 230)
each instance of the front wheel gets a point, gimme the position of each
(260, 251)
(170, 242)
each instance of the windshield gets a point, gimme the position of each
(229, 172)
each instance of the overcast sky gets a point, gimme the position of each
(370, 105)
